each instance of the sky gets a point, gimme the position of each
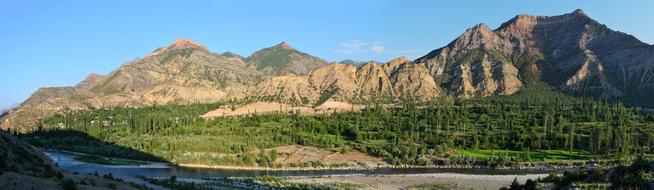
(58, 43)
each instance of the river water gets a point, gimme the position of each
(68, 162)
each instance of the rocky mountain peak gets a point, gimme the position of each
(90, 80)
(478, 32)
(283, 45)
(398, 60)
(92, 77)
(579, 12)
(394, 64)
(179, 44)
(183, 43)
(480, 27)
(353, 62)
(526, 21)
(370, 64)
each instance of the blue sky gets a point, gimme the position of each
(58, 43)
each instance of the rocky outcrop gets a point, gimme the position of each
(288, 89)
(353, 62)
(373, 82)
(344, 82)
(412, 81)
(335, 80)
(394, 64)
(483, 76)
(475, 64)
(571, 52)
(590, 77)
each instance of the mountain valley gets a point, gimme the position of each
(544, 93)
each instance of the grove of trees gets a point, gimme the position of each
(409, 132)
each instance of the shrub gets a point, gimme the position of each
(69, 184)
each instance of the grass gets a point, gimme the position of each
(535, 155)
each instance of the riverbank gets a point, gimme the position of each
(372, 178)
(539, 167)
(536, 166)
(353, 181)
(407, 181)
(109, 161)
(354, 167)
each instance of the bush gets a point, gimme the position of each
(69, 184)
(108, 176)
(172, 179)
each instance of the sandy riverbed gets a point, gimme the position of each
(466, 181)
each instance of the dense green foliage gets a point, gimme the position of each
(529, 126)
(638, 175)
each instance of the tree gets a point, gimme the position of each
(273, 155)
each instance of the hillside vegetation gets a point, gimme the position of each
(538, 126)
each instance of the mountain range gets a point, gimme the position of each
(571, 53)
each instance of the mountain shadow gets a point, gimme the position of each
(77, 141)
(18, 156)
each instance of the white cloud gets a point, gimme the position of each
(352, 47)
(377, 47)
(405, 52)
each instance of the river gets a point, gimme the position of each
(70, 163)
